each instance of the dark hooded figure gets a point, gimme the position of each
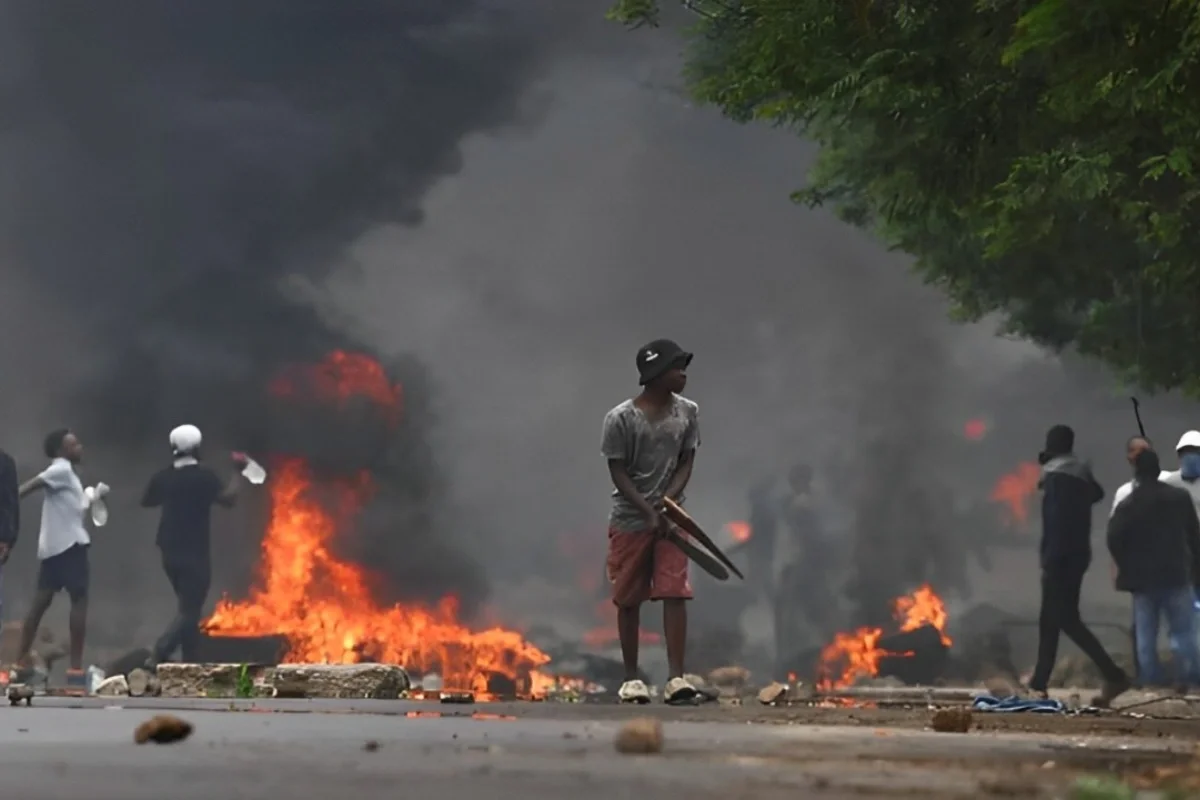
(1069, 490)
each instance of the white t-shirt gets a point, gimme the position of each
(63, 507)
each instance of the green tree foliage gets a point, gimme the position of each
(1038, 159)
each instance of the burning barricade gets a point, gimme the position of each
(312, 605)
(917, 652)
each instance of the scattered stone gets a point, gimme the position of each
(142, 684)
(373, 681)
(371, 746)
(640, 737)
(773, 694)
(199, 680)
(163, 729)
(116, 686)
(732, 677)
(952, 720)
(288, 690)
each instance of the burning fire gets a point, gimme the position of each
(739, 531)
(322, 605)
(851, 656)
(1015, 492)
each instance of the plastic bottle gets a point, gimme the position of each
(94, 677)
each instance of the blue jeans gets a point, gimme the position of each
(1176, 606)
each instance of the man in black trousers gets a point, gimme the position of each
(186, 491)
(1069, 490)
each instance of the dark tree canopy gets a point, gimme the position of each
(1037, 159)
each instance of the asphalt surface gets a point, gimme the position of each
(330, 749)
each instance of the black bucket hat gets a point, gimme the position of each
(659, 357)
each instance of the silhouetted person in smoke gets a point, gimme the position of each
(10, 513)
(63, 544)
(1069, 490)
(186, 492)
(1154, 538)
(792, 559)
(650, 443)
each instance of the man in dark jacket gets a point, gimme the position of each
(10, 509)
(1154, 538)
(1069, 491)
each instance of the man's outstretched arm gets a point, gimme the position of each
(31, 485)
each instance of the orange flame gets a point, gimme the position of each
(739, 531)
(323, 605)
(339, 378)
(922, 607)
(1015, 491)
(851, 656)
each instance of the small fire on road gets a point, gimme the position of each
(855, 655)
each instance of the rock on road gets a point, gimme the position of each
(55, 751)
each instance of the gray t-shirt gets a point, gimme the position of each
(63, 507)
(650, 450)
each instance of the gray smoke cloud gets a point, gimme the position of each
(174, 174)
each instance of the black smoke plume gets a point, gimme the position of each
(170, 171)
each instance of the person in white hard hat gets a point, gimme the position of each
(1188, 475)
(186, 492)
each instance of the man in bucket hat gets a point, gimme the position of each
(650, 443)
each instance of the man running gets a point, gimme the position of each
(63, 544)
(650, 442)
(186, 492)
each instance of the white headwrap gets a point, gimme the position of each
(184, 441)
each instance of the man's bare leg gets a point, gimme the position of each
(675, 630)
(77, 622)
(629, 621)
(29, 628)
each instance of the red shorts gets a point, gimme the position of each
(642, 566)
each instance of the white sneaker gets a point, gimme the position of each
(634, 692)
(679, 690)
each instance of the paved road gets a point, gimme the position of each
(55, 751)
